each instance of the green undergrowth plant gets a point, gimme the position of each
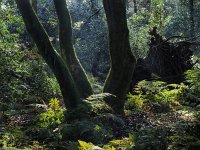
(85, 122)
(12, 137)
(47, 123)
(82, 111)
(151, 138)
(192, 94)
(53, 116)
(155, 95)
(86, 130)
(127, 143)
(98, 104)
(122, 144)
(85, 146)
(186, 141)
(92, 106)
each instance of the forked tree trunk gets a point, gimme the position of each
(67, 49)
(67, 68)
(50, 55)
(122, 59)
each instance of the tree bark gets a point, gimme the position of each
(122, 59)
(68, 51)
(52, 58)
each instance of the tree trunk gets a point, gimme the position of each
(67, 49)
(122, 59)
(52, 58)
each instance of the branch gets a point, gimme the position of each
(87, 21)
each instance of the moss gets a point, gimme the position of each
(85, 130)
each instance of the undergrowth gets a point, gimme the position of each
(159, 116)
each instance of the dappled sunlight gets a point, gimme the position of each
(187, 115)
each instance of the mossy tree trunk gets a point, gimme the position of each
(67, 49)
(122, 59)
(66, 67)
(53, 59)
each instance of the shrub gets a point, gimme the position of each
(155, 95)
(85, 130)
(151, 138)
(53, 116)
(192, 94)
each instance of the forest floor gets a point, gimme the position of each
(177, 129)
